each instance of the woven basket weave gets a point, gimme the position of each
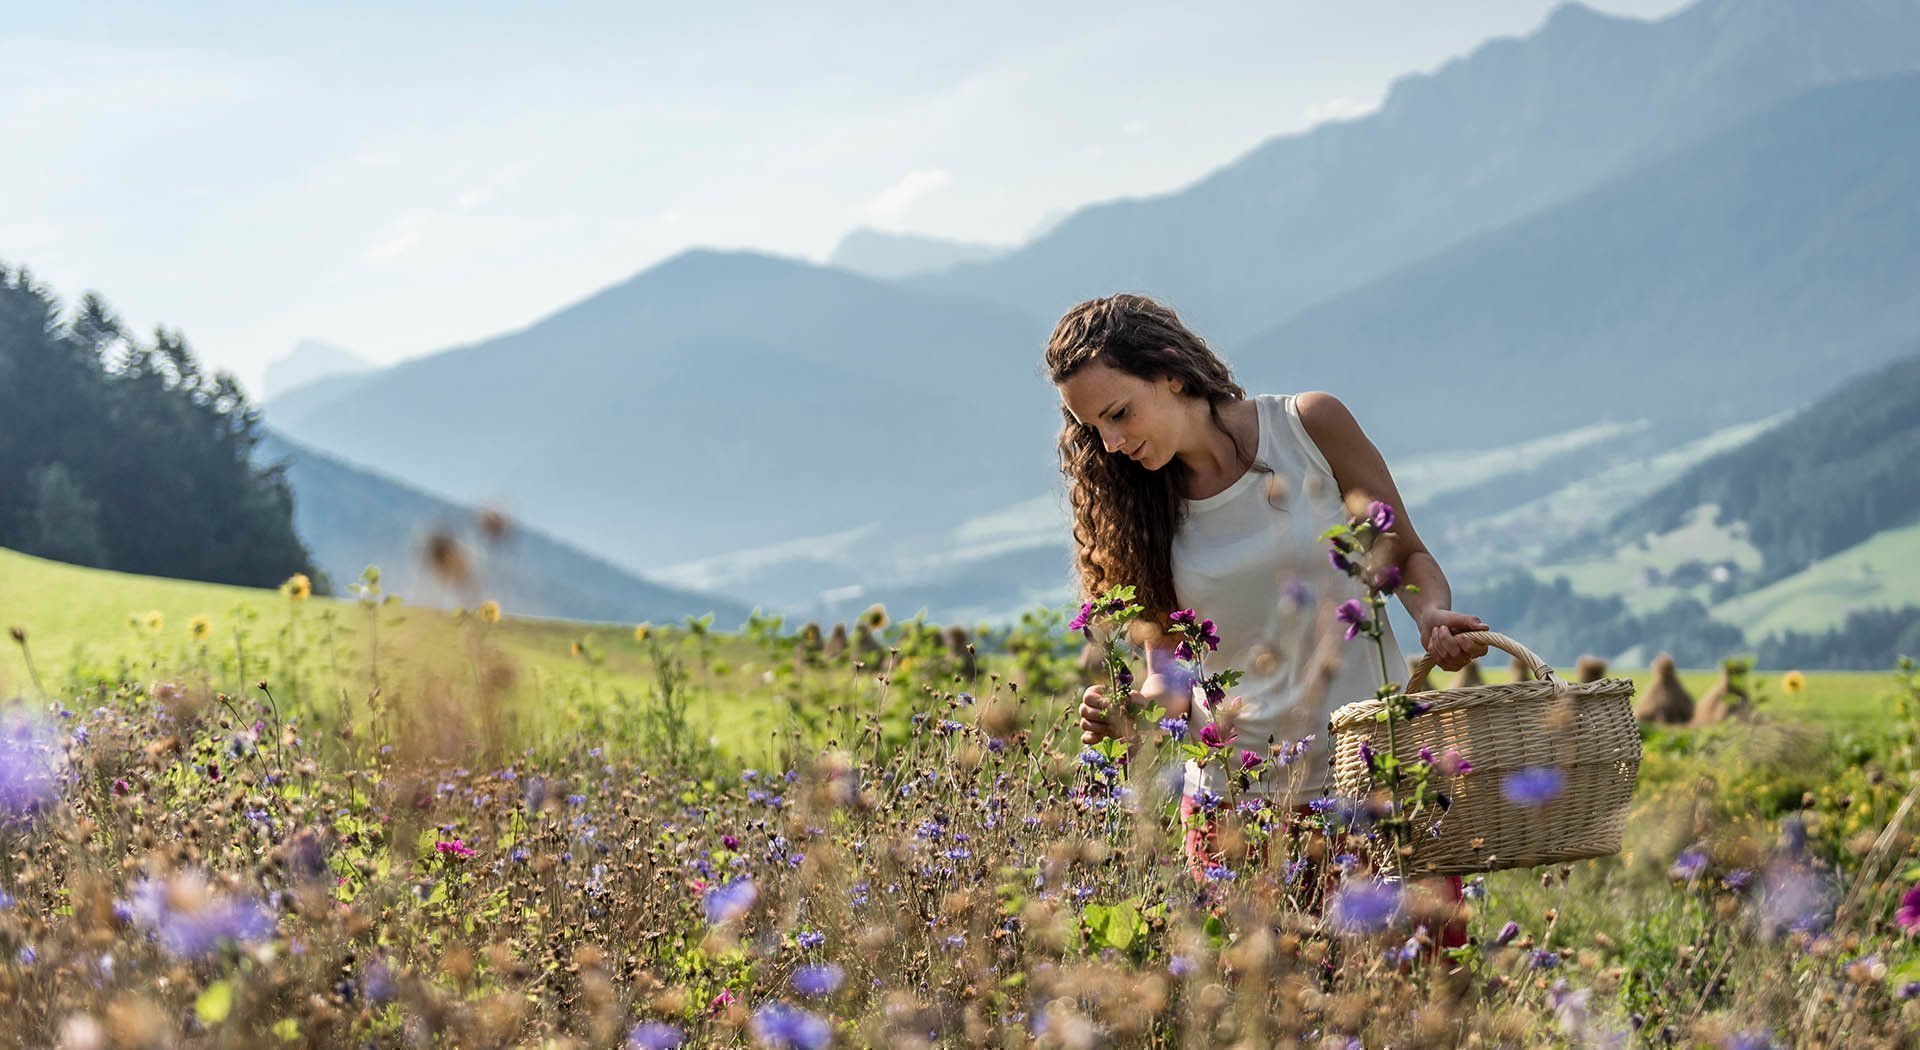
(1586, 731)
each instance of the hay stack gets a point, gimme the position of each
(967, 665)
(1469, 676)
(1521, 672)
(866, 647)
(1723, 699)
(836, 646)
(1591, 668)
(1667, 703)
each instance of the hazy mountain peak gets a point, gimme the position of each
(310, 360)
(885, 255)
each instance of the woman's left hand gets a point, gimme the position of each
(1439, 633)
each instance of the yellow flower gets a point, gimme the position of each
(641, 632)
(875, 617)
(1793, 682)
(575, 649)
(200, 627)
(297, 588)
(489, 611)
(156, 620)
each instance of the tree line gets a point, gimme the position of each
(125, 454)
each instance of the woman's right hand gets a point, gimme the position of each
(1097, 720)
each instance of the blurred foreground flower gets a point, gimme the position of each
(654, 1035)
(786, 1027)
(297, 588)
(1366, 906)
(1533, 786)
(190, 920)
(730, 901)
(489, 611)
(1792, 682)
(27, 752)
(1909, 914)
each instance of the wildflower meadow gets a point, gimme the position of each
(348, 822)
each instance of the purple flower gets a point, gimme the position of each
(1213, 736)
(1689, 865)
(1079, 623)
(817, 981)
(1365, 751)
(1175, 726)
(191, 923)
(454, 847)
(1365, 906)
(1179, 965)
(790, 1028)
(1380, 515)
(1340, 561)
(1208, 636)
(1752, 1040)
(1185, 651)
(1183, 618)
(1352, 612)
(1506, 935)
(728, 902)
(27, 752)
(1389, 580)
(1793, 898)
(1909, 914)
(1533, 786)
(654, 1036)
(1249, 760)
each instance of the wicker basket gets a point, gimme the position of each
(1586, 731)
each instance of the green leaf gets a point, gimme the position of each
(215, 1003)
(287, 1028)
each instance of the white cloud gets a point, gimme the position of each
(473, 198)
(894, 201)
(1340, 107)
(1134, 127)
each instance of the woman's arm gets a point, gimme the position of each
(1362, 474)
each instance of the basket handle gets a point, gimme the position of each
(1539, 667)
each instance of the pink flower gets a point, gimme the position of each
(721, 1002)
(1213, 736)
(455, 847)
(1909, 914)
(1248, 759)
(1450, 763)
(1380, 515)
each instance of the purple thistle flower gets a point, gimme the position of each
(1380, 515)
(728, 902)
(790, 1028)
(653, 1035)
(816, 981)
(1533, 786)
(1365, 906)
(1909, 914)
(1352, 612)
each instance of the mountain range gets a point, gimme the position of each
(1562, 254)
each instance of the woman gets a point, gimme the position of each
(1204, 498)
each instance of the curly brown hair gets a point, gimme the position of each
(1124, 515)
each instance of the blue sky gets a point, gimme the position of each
(398, 180)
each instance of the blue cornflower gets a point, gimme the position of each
(810, 939)
(654, 1035)
(1177, 727)
(1219, 873)
(790, 1028)
(1689, 865)
(1533, 786)
(27, 752)
(730, 901)
(816, 981)
(1365, 906)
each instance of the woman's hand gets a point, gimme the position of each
(1098, 721)
(1439, 634)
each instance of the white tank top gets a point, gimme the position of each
(1250, 559)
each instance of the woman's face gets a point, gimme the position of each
(1135, 417)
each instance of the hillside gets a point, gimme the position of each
(1516, 126)
(1831, 477)
(1720, 283)
(352, 518)
(717, 401)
